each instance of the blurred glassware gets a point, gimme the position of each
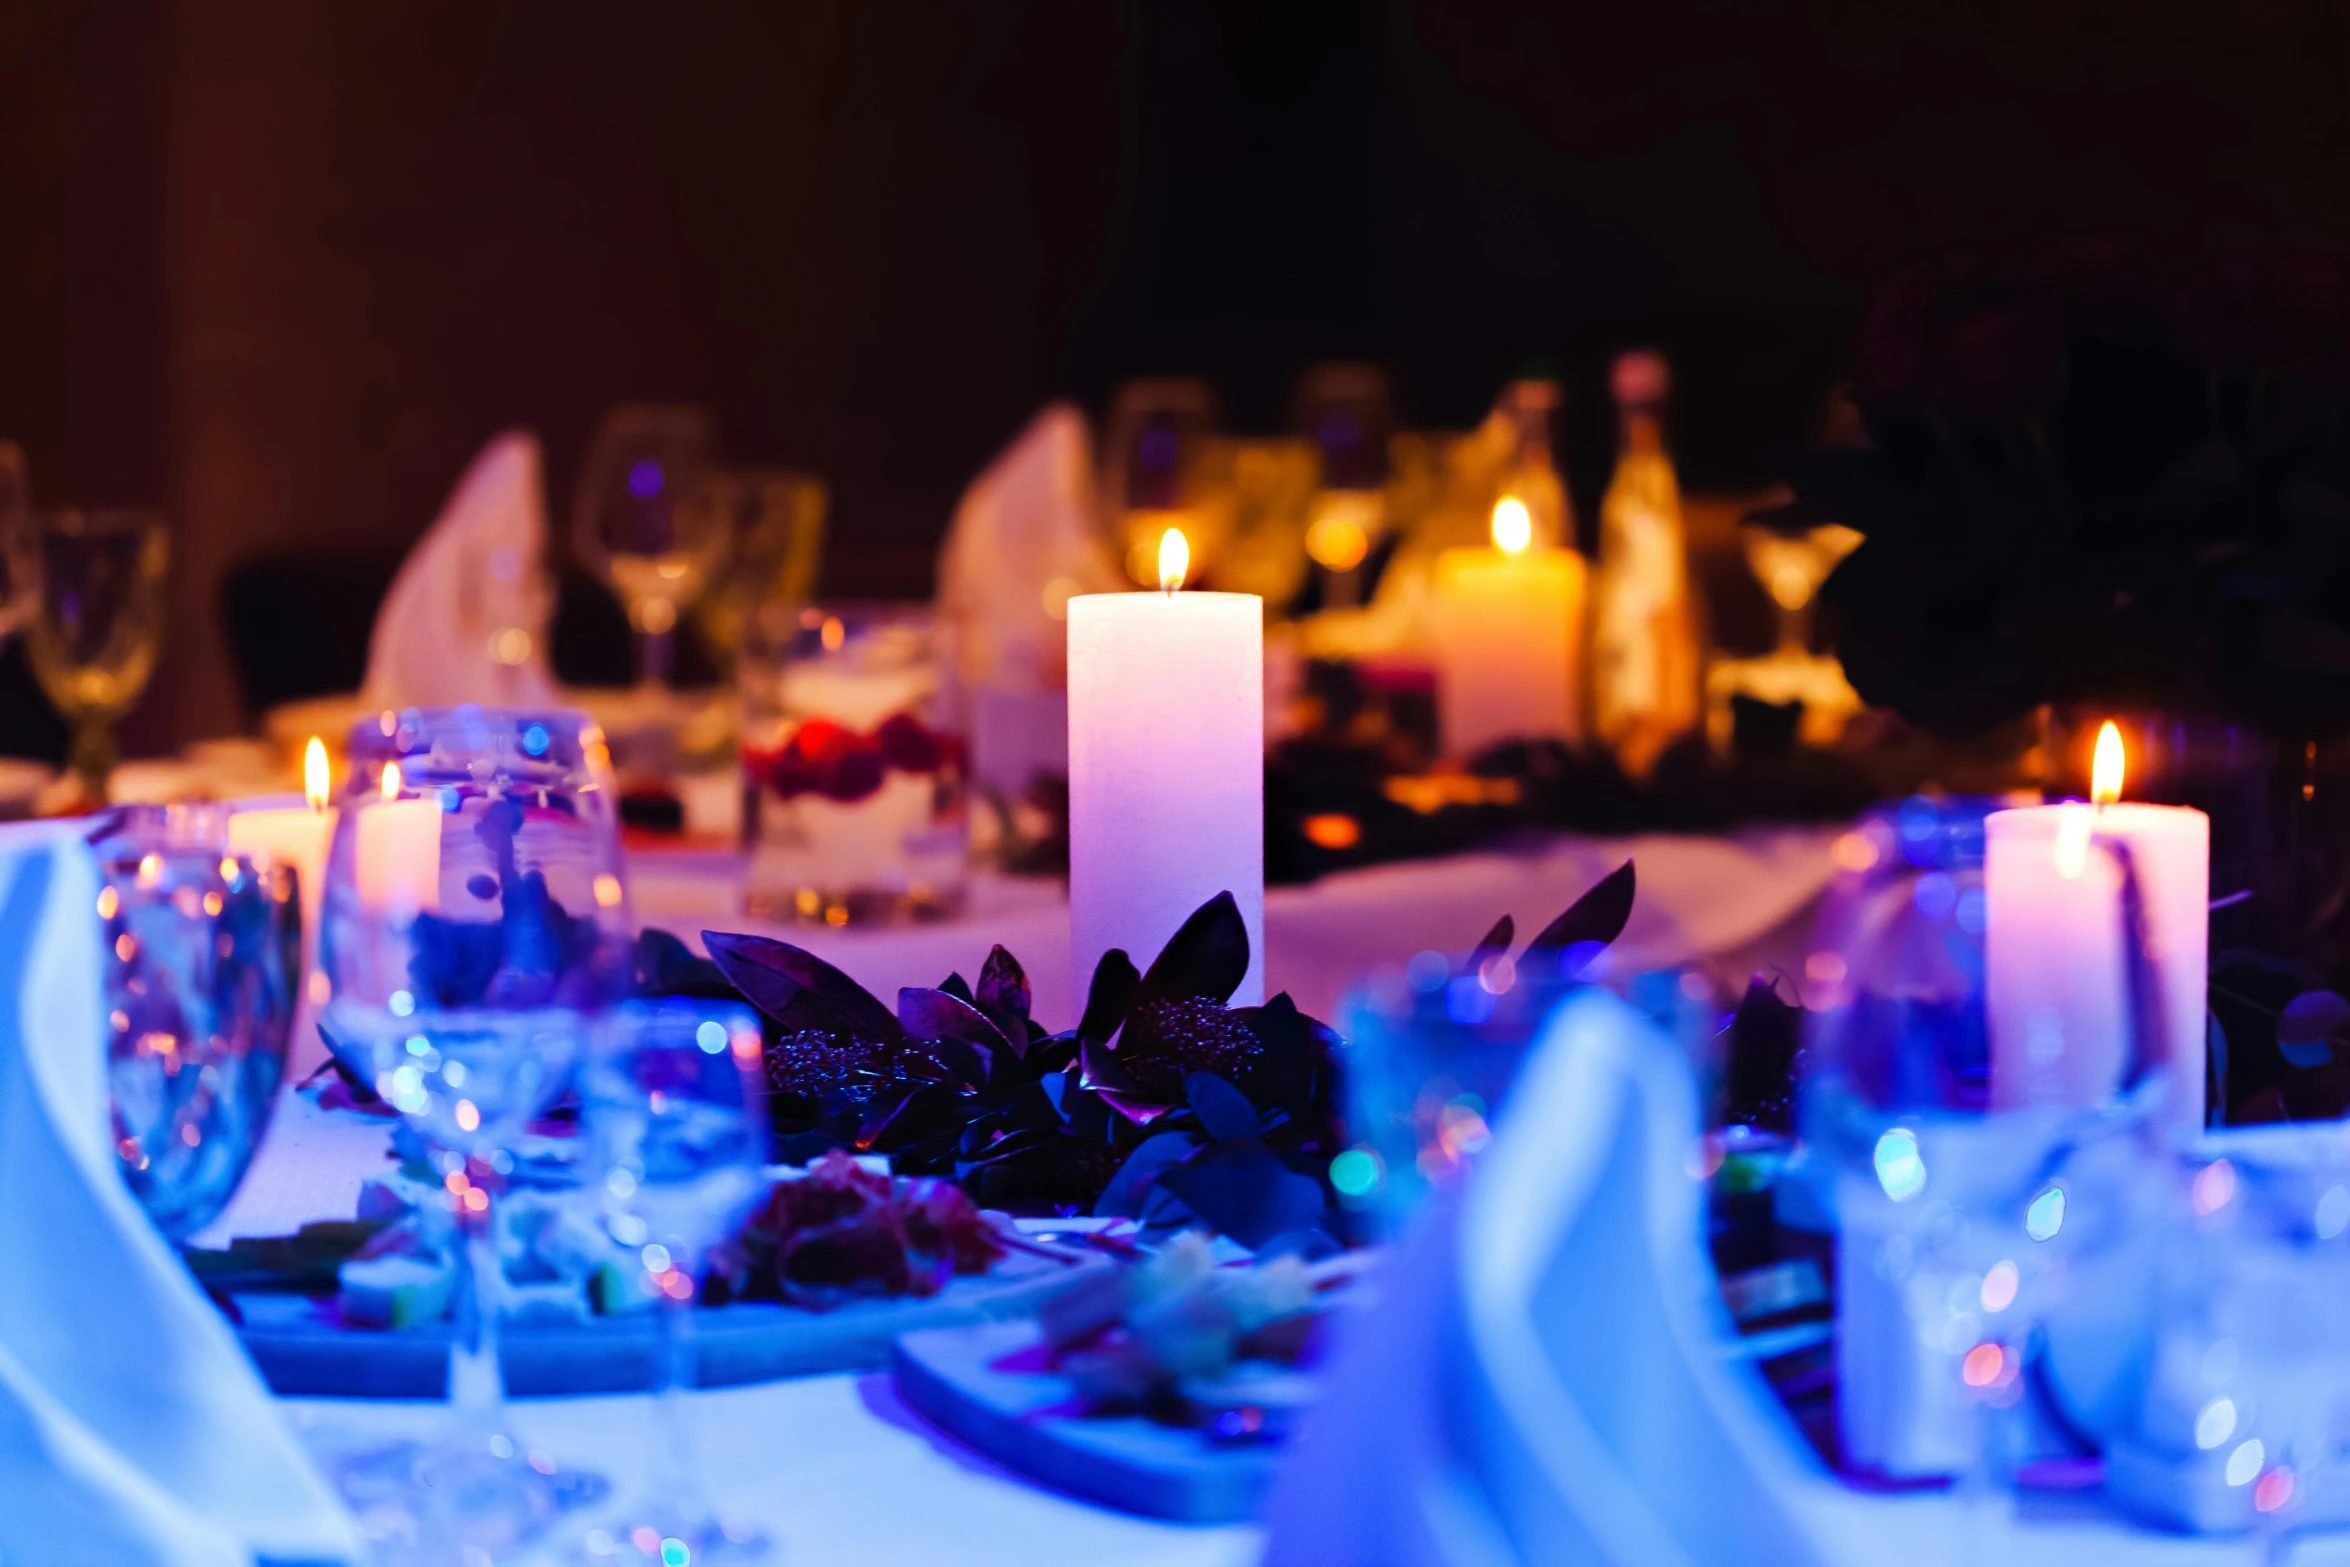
(1791, 565)
(1644, 655)
(20, 548)
(1433, 1047)
(853, 768)
(2203, 1343)
(98, 626)
(1348, 412)
(672, 1107)
(774, 524)
(476, 921)
(203, 948)
(1948, 1214)
(1154, 445)
(636, 523)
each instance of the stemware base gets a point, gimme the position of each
(458, 1498)
(670, 1535)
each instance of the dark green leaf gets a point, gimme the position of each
(1115, 986)
(1123, 1196)
(797, 988)
(1223, 1110)
(1207, 957)
(1497, 941)
(1598, 916)
(1245, 1192)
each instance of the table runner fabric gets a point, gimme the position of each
(132, 1427)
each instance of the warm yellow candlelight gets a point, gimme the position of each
(391, 781)
(1513, 526)
(314, 774)
(1174, 560)
(2105, 772)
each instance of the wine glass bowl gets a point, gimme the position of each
(645, 523)
(1791, 567)
(201, 952)
(98, 626)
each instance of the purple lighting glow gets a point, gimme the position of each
(644, 478)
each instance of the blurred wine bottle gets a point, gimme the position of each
(1644, 634)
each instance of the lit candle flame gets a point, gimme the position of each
(314, 779)
(1174, 560)
(391, 780)
(1513, 525)
(2105, 773)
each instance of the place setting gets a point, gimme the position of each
(1170, 789)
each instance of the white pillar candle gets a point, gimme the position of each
(1507, 625)
(397, 858)
(2056, 969)
(1166, 769)
(298, 838)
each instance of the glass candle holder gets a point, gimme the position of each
(202, 950)
(853, 771)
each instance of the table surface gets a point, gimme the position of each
(840, 1472)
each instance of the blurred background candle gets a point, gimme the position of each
(298, 838)
(1166, 768)
(2057, 975)
(1506, 625)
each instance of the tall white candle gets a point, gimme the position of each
(2057, 974)
(1166, 769)
(1506, 627)
(299, 839)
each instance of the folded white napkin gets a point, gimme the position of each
(466, 619)
(1547, 1375)
(1025, 536)
(132, 1427)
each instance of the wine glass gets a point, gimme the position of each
(99, 625)
(20, 555)
(475, 922)
(202, 952)
(1791, 567)
(774, 520)
(670, 1102)
(639, 523)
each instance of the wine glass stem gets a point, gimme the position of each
(670, 1474)
(654, 652)
(477, 1383)
(1794, 631)
(94, 753)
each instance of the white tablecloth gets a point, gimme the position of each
(834, 1466)
(844, 1476)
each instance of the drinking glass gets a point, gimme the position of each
(202, 950)
(774, 521)
(637, 525)
(671, 1105)
(476, 921)
(1791, 566)
(20, 556)
(853, 768)
(99, 625)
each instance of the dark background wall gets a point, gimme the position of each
(284, 264)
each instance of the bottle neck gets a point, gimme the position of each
(1639, 429)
